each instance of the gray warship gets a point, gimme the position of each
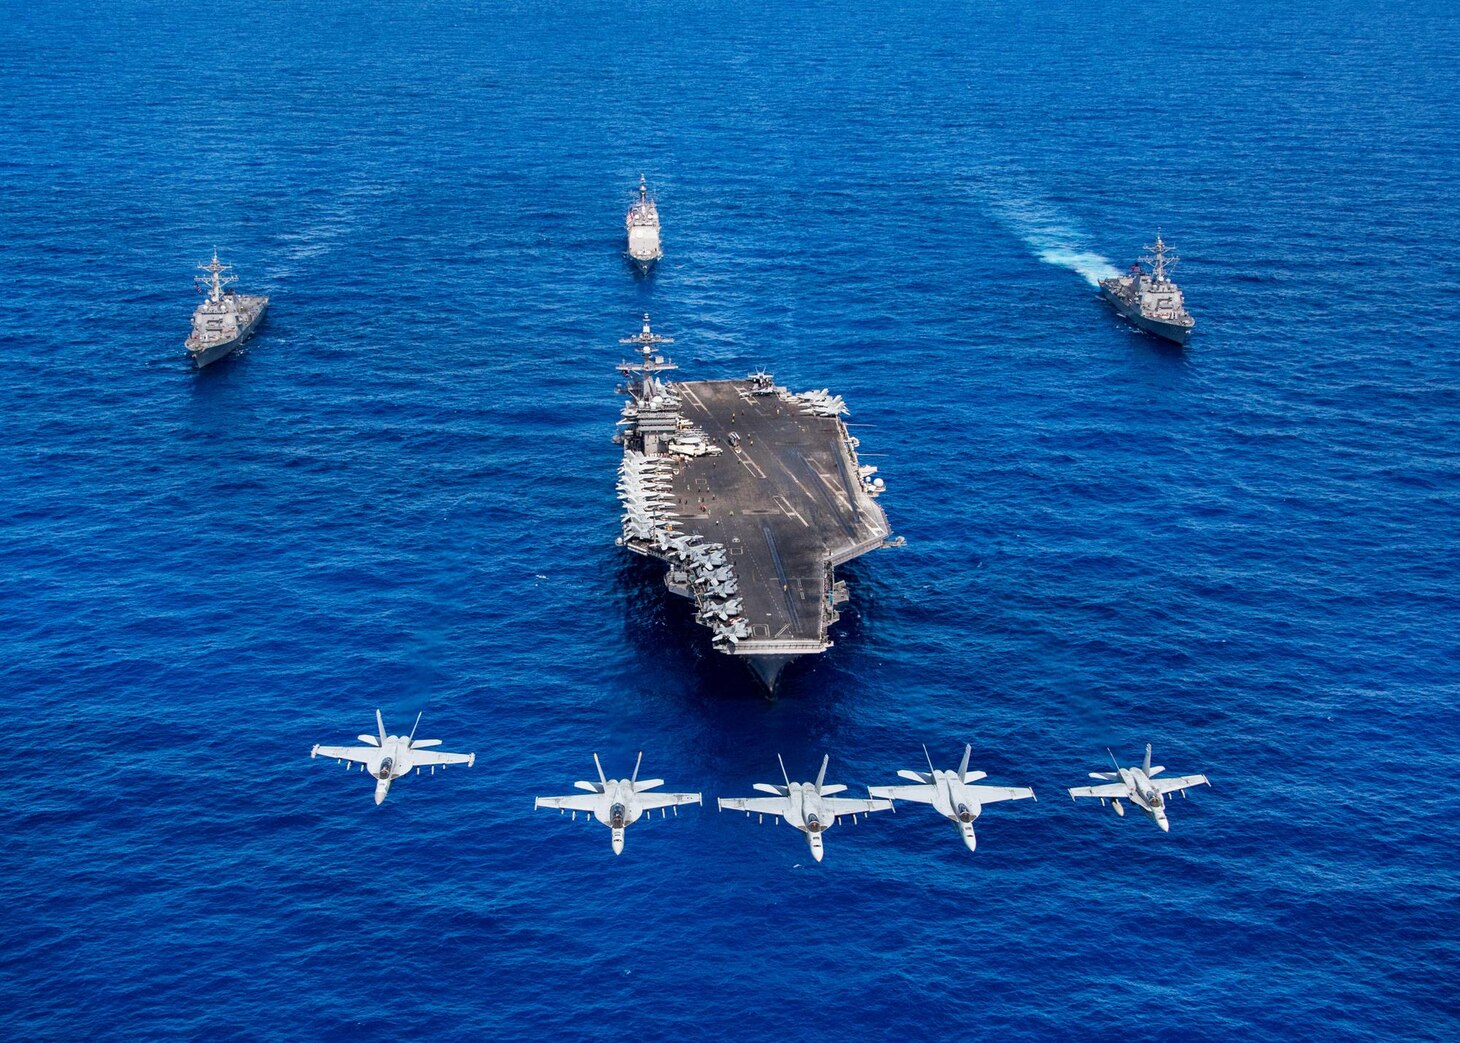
(1151, 301)
(642, 224)
(226, 319)
(752, 495)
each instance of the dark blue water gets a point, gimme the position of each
(401, 495)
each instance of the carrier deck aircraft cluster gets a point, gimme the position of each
(753, 495)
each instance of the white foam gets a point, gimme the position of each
(1092, 266)
(1052, 237)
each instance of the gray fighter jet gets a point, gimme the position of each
(951, 794)
(388, 757)
(618, 803)
(809, 806)
(1140, 787)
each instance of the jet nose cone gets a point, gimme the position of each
(1164, 824)
(618, 842)
(970, 841)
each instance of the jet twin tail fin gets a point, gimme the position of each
(821, 775)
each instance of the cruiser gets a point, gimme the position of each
(226, 319)
(1153, 302)
(642, 222)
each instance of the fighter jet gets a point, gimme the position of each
(809, 806)
(709, 557)
(951, 794)
(722, 590)
(618, 803)
(388, 757)
(722, 611)
(1140, 787)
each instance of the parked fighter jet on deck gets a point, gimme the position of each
(388, 757)
(618, 803)
(809, 806)
(951, 794)
(1139, 786)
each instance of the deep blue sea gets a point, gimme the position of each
(401, 495)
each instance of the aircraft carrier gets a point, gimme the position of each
(752, 495)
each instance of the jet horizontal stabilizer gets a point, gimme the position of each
(915, 776)
(766, 787)
(369, 740)
(591, 787)
(1108, 776)
(974, 776)
(425, 744)
(827, 791)
(640, 787)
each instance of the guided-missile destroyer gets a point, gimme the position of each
(642, 222)
(226, 319)
(753, 495)
(1152, 301)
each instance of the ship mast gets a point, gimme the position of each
(1158, 258)
(216, 280)
(643, 191)
(647, 340)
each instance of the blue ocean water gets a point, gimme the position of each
(401, 495)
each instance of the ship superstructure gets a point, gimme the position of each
(642, 223)
(752, 495)
(226, 319)
(1150, 299)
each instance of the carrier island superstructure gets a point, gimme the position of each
(752, 495)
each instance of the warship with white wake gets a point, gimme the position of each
(226, 319)
(642, 223)
(1151, 301)
(752, 495)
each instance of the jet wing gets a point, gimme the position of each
(1115, 789)
(358, 754)
(994, 794)
(1177, 782)
(853, 806)
(425, 758)
(755, 805)
(665, 800)
(917, 794)
(575, 802)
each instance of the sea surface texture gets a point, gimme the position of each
(401, 495)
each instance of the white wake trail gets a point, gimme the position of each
(1053, 238)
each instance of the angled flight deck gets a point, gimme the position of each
(753, 495)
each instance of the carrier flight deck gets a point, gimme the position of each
(752, 495)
